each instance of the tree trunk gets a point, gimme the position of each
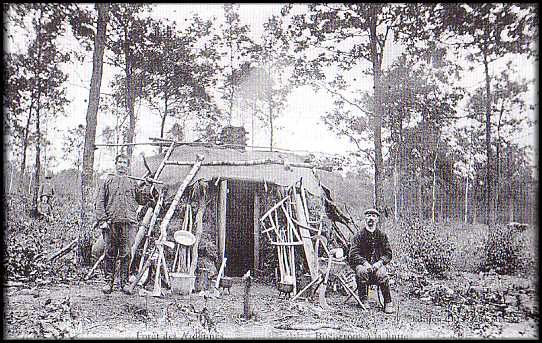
(466, 220)
(130, 93)
(497, 181)
(87, 170)
(474, 204)
(252, 122)
(376, 57)
(163, 124)
(434, 196)
(400, 171)
(270, 102)
(94, 94)
(395, 191)
(488, 140)
(270, 126)
(422, 168)
(509, 187)
(37, 165)
(26, 134)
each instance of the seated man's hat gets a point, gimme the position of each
(371, 210)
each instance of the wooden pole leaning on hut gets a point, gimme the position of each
(144, 264)
(305, 234)
(165, 223)
(141, 232)
(199, 231)
(154, 218)
(156, 175)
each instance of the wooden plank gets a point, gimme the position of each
(222, 208)
(305, 234)
(256, 232)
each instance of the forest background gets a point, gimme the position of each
(433, 106)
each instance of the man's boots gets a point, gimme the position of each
(124, 273)
(109, 271)
(386, 294)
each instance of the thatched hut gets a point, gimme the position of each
(231, 191)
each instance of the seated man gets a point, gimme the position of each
(369, 252)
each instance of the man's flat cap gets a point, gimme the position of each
(371, 210)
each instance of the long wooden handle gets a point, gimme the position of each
(95, 265)
(142, 271)
(178, 195)
(141, 232)
(162, 164)
(155, 214)
(217, 282)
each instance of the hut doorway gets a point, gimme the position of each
(239, 228)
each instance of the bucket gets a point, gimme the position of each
(181, 283)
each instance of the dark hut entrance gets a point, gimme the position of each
(239, 227)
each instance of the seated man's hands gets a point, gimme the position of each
(104, 225)
(377, 265)
(364, 269)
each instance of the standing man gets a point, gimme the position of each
(46, 193)
(369, 253)
(116, 213)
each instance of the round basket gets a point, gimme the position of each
(184, 237)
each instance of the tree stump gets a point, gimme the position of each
(248, 310)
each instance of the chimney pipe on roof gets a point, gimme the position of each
(235, 135)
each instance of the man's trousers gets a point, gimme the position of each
(117, 247)
(379, 277)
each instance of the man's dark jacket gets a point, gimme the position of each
(370, 247)
(118, 199)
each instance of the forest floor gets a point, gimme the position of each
(499, 307)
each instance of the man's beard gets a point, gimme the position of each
(370, 227)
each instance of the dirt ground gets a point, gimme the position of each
(80, 310)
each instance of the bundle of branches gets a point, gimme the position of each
(207, 254)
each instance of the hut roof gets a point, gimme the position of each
(278, 174)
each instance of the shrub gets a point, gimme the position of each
(506, 251)
(29, 241)
(422, 243)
